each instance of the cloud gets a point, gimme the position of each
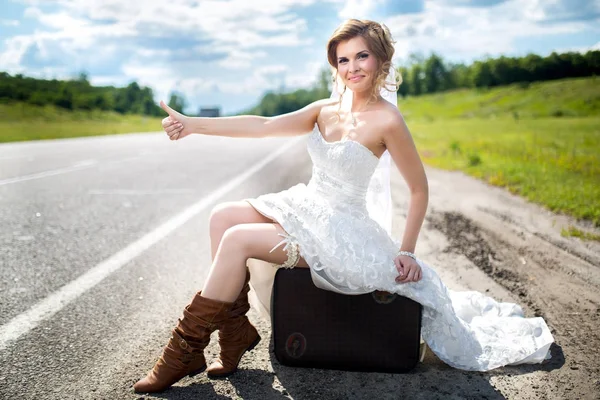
(464, 32)
(9, 22)
(307, 77)
(230, 34)
(238, 49)
(474, 3)
(579, 49)
(360, 9)
(241, 59)
(199, 89)
(15, 47)
(266, 22)
(557, 11)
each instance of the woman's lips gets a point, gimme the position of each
(355, 78)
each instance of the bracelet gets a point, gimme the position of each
(407, 253)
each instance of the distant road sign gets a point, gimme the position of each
(210, 112)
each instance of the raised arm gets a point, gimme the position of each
(177, 125)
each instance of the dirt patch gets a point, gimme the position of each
(467, 238)
(518, 245)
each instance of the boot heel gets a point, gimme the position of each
(254, 344)
(198, 371)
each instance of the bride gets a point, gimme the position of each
(338, 225)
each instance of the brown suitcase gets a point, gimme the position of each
(317, 328)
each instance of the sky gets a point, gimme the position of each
(228, 53)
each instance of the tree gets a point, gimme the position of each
(416, 80)
(481, 74)
(435, 74)
(176, 102)
(83, 78)
(104, 101)
(457, 76)
(133, 94)
(532, 67)
(404, 88)
(503, 70)
(324, 83)
(65, 97)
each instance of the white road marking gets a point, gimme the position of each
(30, 158)
(79, 166)
(46, 308)
(128, 192)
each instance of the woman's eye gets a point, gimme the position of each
(363, 56)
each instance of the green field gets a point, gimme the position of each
(21, 121)
(542, 142)
(561, 98)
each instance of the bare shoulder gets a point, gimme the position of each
(391, 122)
(328, 108)
(297, 122)
(324, 103)
(314, 110)
(391, 116)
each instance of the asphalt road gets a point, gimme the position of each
(108, 238)
(104, 240)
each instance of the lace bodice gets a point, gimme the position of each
(342, 170)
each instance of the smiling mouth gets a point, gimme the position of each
(355, 78)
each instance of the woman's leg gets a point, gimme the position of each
(238, 243)
(237, 237)
(239, 232)
(227, 215)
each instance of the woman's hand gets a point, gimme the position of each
(176, 125)
(408, 268)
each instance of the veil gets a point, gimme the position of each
(379, 196)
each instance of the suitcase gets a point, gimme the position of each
(316, 328)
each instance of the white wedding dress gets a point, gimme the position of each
(350, 253)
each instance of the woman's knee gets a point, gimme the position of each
(230, 213)
(268, 243)
(237, 238)
(220, 217)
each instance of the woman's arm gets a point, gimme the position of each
(399, 143)
(248, 126)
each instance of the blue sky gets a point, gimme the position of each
(229, 52)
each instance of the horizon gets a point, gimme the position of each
(282, 45)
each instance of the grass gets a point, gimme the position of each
(20, 122)
(561, 98)
(573, 231)
(549, 161)
(514, 138)
(541, 141)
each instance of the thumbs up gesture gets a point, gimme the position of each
(176, 125)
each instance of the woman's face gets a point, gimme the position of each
(356, 64)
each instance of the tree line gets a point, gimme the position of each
(79, 94)
(420, 75)
(431, 75)
(280, 102)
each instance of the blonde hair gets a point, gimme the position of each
(380, 43)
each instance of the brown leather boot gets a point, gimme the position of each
(236, 336)
(184, 354)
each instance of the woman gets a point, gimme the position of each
(326, 226)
